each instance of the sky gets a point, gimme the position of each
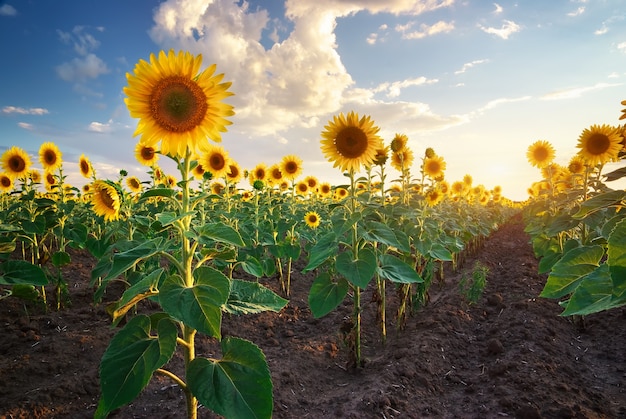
(477, 81)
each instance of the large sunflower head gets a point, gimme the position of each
(351, 142)
(6, 183)
(15, 163)
(291, 167)
(434, 166)
(50, 156)
(175, 103)
(312, 219)
(146, 154)
(540, 153)
(215, 160)
(105, 200)
(599, 144)
(86, 169)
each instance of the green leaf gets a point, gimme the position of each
(563, 222)
(616, 174)
(61, 259)
(163, 192)
(125, 260)
(252, 266)
(322, 250)
(251, 297)
(198, 306)
(76, 232)
(358, 272)
(380, 232)
(222, 233)
(237, 386)
(439, 252)
(568, 272)
(325, 294)
(397, 271)
(594, 294)
(600, 201)
(25, 292)
(130, 360)
(168, 218)
(144, 288)
(617, 258)
(21, 272)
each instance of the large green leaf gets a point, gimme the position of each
(133, 355)
(325, 247)
(146, 287)
(21, 272)
(198, 306)
(439, 252)
(237, 386)
(251, 297)
(594, 294)
(325, 294)
(168, 218)
(358, 272)
(221, 233)
(568, 272)
(123, 261)
(600, 201)
(397, 271)
(381, 233)
(617, 258)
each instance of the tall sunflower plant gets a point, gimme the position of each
(577, 223)
(179, 107)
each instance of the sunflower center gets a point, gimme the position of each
(351, 142)
(50, 157)
(178, 104)
(84, 167)
(291, 167)
(217, 161)
(6, 182)
(233, 172)
(541, 154)
(134, 184)
(598, 143)
(312, 218)
(147, 153)
(17, 164)
(107, 199)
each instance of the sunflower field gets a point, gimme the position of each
(194, 243)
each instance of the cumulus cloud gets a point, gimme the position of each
(577, 12)
(575, 92)
(7, 10)
(507, 29)
(425, 30)
(394, 89)
(469, 65)
(81, 69)
(99, 127)
(26, 126)
(24, 111)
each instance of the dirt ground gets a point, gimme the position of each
(508, 355)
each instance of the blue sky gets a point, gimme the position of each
(478, 81)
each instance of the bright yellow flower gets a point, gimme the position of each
(302, 188)
(399, 143)
(215, 160)
(49, 181)
(349, 142)
(171, 181)
(217, 187)
(402, 160)
(291, 167)
(15, 162)
(382, 154)
(233, 173)
(599, 144)
(312, 182)
(50, 156)
(258, 173)
(145, 154)
(176, 105)
(312, 219)
(458, 187)
(275, 175)
(34, 175)
(134, 184)
(341, 193)
(198, 171)
(623, 116)
(540, 153)
(6, 183)
(325, 190)
(86, 169)
(467, 180)
(434, 166)
(105, 200)
(433, 197)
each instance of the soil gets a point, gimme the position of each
(508, 355)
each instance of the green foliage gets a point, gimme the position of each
(472, 287)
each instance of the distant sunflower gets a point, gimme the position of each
(6, 183)
(15, 162)
(458, 187)
(325, 190)
(399, 143)
(233, 173)
(34, 175)
(145, 154)
(434, 166)
(312, 182)
(402, 160)
(429, 152)
(258, 173)
(170, 181)
(105, 200)
(467, 180)
(623, 116)
(291, 167)
(312, 219)
(341, 193)
(302, 188)
(214, 159)
(275, 175)
(85, 166)
(176, 104)
(599, 144)
(576, 165)
(433, 197)
(50, 181)
(134, 184)
(349, 142)
(540, 153)
(382, 155)
(50, 156)
(217, 187)
(198, 171)
(87, 188)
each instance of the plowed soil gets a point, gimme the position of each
(508, 355)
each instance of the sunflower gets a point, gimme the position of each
(458, 187)
(302, 188)
(15, 162)
(258, 173)
(467, 180)
(350, 142)
(50, 156)
(50, 181)
(312, 219)
(170, 181)
(599, 144)
(399, 143)
(133, 184)
(175, 104)
(402, 160)
(6, 183)
(433, 197)
(145, 154)
(86, 169)
(623, 116)
(105, 200)
(382, 154)
(540, 153)
(34, 175)
(325, 190)
(576, 165)
(233, 173)
(215, 160)
(275, 175)
(86, 188)
(434, 166)
(198, 171)
(429, 153)
(291, 167)
(341, 193)
(217, 187)
(312, 182)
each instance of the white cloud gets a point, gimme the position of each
(393, 89)
(24, 111)
(26, 126)
(622, 46)
(99, 127)
(575, 92)
(601, 31)
(7, 10)
(498, 9)
(508, 28)
(82, 41)
(81, 69)
(500, 101)
(469, 65)
(425, 30)
(577, 12)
